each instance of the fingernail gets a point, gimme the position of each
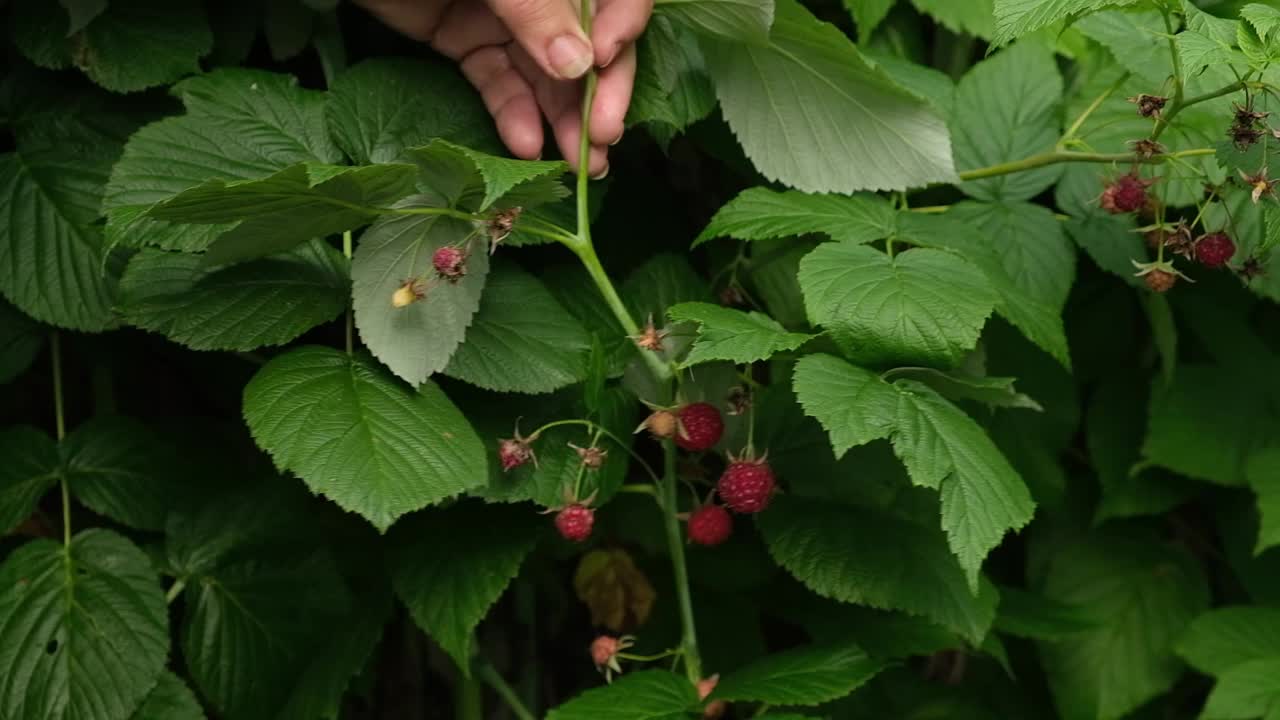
(570, 56)
(613, 55)
(617, 139)
(602, 175)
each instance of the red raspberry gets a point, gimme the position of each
(450, 262)
(1125, 194)
(700, 426)
(603, 649)
(1215, 249)
(575, 522)
(747, 485)
(710, 525)
(1160, 281)
(514, 452)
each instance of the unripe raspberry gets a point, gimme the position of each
(714, 709)
(514, 452)
(1160, 281)
(603, 650)
(660, 423)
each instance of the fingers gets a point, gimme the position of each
(549, 32)
(412, 18)
(561, 104)
(613, 96)
(568, 130)
(466, 27)
(509, 99)
(617, 25)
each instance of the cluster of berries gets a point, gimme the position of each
(449, 262)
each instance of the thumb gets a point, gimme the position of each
(549, 31)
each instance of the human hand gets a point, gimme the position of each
(525, 56)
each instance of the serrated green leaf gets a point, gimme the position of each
(745, 21)
(921, 306)
(1007, 108)
(171, 699)
(83, 629)
(20, 341)
(761, 214)
(521, 339)
(530, 182)
(663, 281)
(380, 107)
(975, 17)
(812, 113)
(1206, 40)
(991, 391)
(1031, 244)
(1263, 472)
(1110, 243)
(265, 302)
(437, 578)
(841, 553)
(418, 340)
(809, 675)
(1015, 18)
(867, 15)
(383, 450)
(645, 695)
(982, 495)
(1034, 616)
(1141, 593)
(672, 88)
(1227, 637)
(733, 335)
(1248, 690)
(1264, 18)
(30, 469)
(117, 467)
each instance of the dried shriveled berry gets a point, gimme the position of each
(450, 262)
(1160, 281)
(1125, 194)
(1149, 106)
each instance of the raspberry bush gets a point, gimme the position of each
(917, 358)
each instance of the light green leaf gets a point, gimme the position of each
(761, 214)
(841, 553)
(437, 578)
(745, 21)
(853, 405)
(812, 113)
(921, 306)
(990, 391)
(867, 15)
(117, 467)
(1248, 690)
(1019, 17)
(171, 699)
(975, 17)
(20, 341)
(1141, 593)
(521, 339)
(1263, 472)
(1228, 637)
(418, 340)
(1032, 246)
(31, 466)
(1029, 615)
(1264, 18)
(1136, 41)
(645, 695)
(733, 335)
(380, 107)
(1207, 40)
(383, 450)
(83, 629)
(809, 675)
(1007, 108)
(490, 178)
(244, 307)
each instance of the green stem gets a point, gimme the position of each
(586, 252)
(490, 676)
(60, 427)
(468, 698)
(599, 430)
(1070, 134)
(350, 322)
(174, 591)
(1061, 156)
(651, 658)
(1176, 105)
(675, 543)
(639, 489)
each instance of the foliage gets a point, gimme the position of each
(300, 371)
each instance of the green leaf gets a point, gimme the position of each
(1110, 243)
(1007, 108)
(83, 629)
(20, 341)
(991, 391)
(171, 699)
(921, 306)
(982, 495)
(1263, 18)
(1019, 17)
(645, 695)
(244, 307)
(521, 339)
(735, 20)
(418, 340)
(1263, 472)
(867, 15)
(1029, 615)
(380, 107)
(31, 467)
(382, 450)
(733, 335)
(531, 182)
(809, 675)
(288, 26)
(279, 212)
(1228, 637)
(843, 553)
(82, 13)
(975, 17)
(1248, 690)
(812, 113)
(761, 214)
(1032, 246)
(672, 88)
(1141, 594)
(118, 468)
(438, 579)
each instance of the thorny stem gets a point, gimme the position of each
(350, 321)
(490, 676)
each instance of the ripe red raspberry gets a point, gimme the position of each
(450, 262)
(747, 485)
(1215, 249)
(1125, 194)
(1160, 281)
(700, 426)
(710, 525)
(575, 522)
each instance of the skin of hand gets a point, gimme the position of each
(526, 57)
